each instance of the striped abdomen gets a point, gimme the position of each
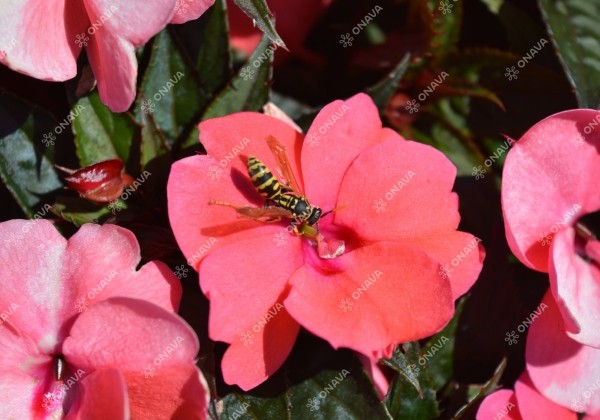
(264, 181)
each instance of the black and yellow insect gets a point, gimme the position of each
(282, 200)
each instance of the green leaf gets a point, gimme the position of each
(153, 143)
(403, 400)
(573, 27)
(249, 89)
(384, 89)
(406, 363)
(101, 134)
(446, 27)
(26, 165)
(316, 382)
(79, 211)
(260, 14)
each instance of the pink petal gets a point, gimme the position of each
(135, 21)
(461, 253)
(130, 334)
(547, 177)
(372, 298)
(17, 392)
(379, 380)
(114, 64)
(563, 370)
(38, 38)
(34, 295)
(250, 362)
(532, 405)
(190, 10)
(100, 263)
(103, 395)
(501, 404)
(340, 132)
(223, 175)
(576, 287)
(241, 293)
(412, 192)
(177, 391)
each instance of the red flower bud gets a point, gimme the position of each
(101, 182)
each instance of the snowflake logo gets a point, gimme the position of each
(478, 172)
(247, 338)
(82, 40)
(81, 304)
(247, 73)
(511, 338)
(545, 239)
(148, 371)
(13, 239)
(346, 40)
(214, 172)
(147, 106)
(48, 139)
(379, 205)
(280, 239)
(313, 404)
(54, 398)
(577, 405)
(346, 305)
(445, 7)
(414, 369)
(313, 139)
(181, 7)
(412, 106)
(115, 206)
(181, 271)
(578, 140)
(511, 73)
(445, 271)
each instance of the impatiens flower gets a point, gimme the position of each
(563, 370)
(525, 402)
(403, 265)
(550, 190)
(82, 333)
(44, 39)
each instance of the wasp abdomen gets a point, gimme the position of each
(262, 178)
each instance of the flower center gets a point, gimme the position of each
(53, 395)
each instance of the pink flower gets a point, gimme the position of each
(563, 370)
(550, 182)
(403, 265)
(82, 332)
(525, 402)
(44, 40)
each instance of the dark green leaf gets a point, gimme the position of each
(384, 89)
(249, 89)
(79, 211)
(153, 143)
(26, 164)
(406, 363)
(447, 23)
(101, 134)
(260, 14)
(573, 27)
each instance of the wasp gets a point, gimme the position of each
(285, 200)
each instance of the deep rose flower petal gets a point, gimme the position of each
(240, 299)
(406, 170)
(499, 404)
(341, 131)
(97, 389)
(31, 30)
(250, 362)
(222, 175)
(562, 369)
(17, 390)
(576, 283)
(390, 293)
(552, 168)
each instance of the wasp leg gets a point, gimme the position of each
(265, 214)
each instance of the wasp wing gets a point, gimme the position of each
(271, 214)
(278, 151)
